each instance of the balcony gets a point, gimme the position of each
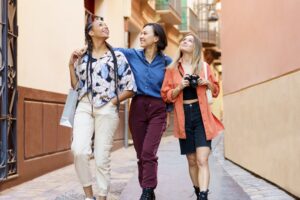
(169, 10)
(190, 21)
(209, 25)
(208, 37)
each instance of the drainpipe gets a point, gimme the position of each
(126, 109)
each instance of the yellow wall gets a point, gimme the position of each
(172, 47)
(262, 130)
(134, 40)
(49, 30)
(217, 106)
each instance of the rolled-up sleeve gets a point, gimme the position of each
(125, 75)
(168, 87)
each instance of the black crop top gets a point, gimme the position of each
(189, 93)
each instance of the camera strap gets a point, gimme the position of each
(180, 72)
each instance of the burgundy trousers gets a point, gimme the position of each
(147, 122)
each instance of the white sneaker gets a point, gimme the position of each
(94, 198)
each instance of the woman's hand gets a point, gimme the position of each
(205, 83)
(184, 82)
(75, 55)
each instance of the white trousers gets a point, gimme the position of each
(103, 122)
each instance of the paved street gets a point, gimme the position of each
(227, 180)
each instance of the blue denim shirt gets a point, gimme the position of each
(148, 76)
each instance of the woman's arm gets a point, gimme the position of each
(184, 83)
(167, 87)
(126, 82)
(213, 83)
(126, 51)
(169, 92)
(73, 59)
(124, 95)
(177, 91)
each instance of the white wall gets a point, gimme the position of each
(49, 30)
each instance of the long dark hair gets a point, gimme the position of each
(89, 42)
(88, 38)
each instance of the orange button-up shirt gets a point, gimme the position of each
(172, 79)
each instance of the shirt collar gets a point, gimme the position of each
(160, 53)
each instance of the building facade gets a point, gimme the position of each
(260, 45)
(39, 40)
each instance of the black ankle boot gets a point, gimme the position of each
(197, 191)
(148, 194)
(203, 195)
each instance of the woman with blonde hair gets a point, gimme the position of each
(194, 124)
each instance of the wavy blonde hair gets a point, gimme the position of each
(196, 58)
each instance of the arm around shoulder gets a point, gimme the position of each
(125, 74)
(126, 51)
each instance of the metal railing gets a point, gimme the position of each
(8, 89)
(207, 31)
(193, 20)
(189, 20)
(174, 5)
(208, 36)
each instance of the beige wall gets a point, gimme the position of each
(259, 40)
(262, 130)
(114, 12)
(174, 37)
(261, 77)
(49, 30)
(171, 49)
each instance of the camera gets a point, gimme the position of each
(193, 79)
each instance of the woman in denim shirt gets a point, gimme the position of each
(147, 117)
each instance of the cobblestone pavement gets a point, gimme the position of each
(62, 184)
(174, 181)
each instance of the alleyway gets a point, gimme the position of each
(227, 181)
